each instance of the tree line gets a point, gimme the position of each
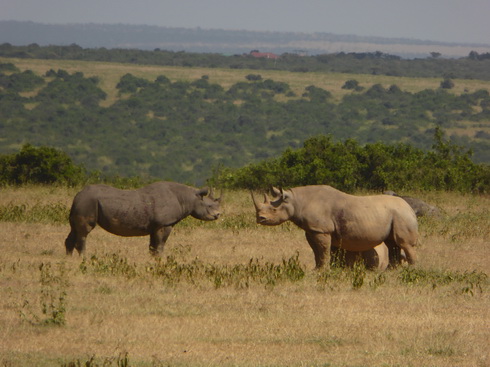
(474, 66)
(348, 166)
(181, 130)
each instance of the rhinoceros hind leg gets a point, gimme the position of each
(400, 251)
(75, 241)
(377, 258)
(409, 253)
(394, 253)
(70, 242)
(80, 228)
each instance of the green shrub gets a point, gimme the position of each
(43, 165)
(52, 300)
(349, 166)
(37, 213)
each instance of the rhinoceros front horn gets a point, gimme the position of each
(256, 202)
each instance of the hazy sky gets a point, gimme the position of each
(465, 21)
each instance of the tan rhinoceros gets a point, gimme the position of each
(330, 217)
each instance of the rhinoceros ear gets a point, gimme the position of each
(202, 192)
(285, 196)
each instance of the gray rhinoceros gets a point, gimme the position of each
(419, 206)
(330, 217)
(151, 210)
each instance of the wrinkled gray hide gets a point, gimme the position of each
(149, 211)
(419, 206)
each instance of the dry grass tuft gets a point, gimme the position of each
(231, 293)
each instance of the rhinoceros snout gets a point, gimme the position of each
(261, 219)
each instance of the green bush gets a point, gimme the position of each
(21, 82)
(43, 165)
(349, 166)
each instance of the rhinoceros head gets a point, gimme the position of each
(206, 207)
(275, 211)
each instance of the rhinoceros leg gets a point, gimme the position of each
(409, 252)
(376, 258)
(320, 243)
(394, 252)
(158, 239)
(70, 242)
(75, 240)
(80, 228)
(395, 247)
(404, 234)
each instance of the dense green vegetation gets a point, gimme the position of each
(44, 165)
(349, 166)
(181, 130)
(474, 66)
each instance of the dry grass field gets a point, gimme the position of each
(231, 293)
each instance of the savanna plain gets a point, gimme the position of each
(232, 293)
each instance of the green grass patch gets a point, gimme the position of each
(38, 213)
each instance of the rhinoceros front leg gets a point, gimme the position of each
(320, 244)
(158, 239)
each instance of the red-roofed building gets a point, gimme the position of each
(265, 55)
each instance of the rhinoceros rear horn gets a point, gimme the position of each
(211, 195)
(275, 192)
(202, 192)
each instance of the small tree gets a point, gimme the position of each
(253, 77)
(353, 85)
(43, 165)
(447, 83)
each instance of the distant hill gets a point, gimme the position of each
(182, 123)
(220, 41)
